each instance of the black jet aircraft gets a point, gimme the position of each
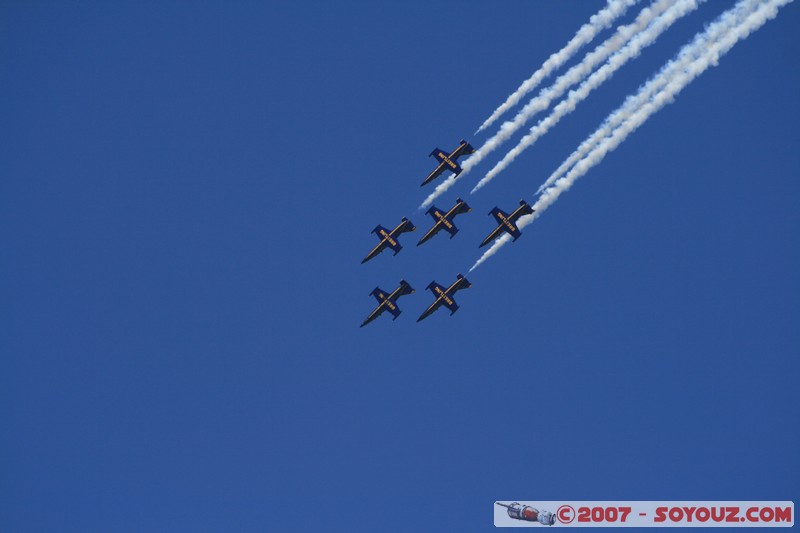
(389, 238)
(444, 221)
(388, 302)
(444, 297)
(448, 161)
(507, 223)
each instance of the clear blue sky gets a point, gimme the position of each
(187, 192)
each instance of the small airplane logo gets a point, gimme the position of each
(528, 513)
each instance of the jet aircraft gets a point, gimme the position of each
(444, 221)
(389, 238)
(448, 161)
(507, 223)
(388, 302)
(444, 297)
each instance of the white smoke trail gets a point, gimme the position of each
(708, 58)
(546, 96)
(687, 54)
(631, 50)
(571, 77)
(597, 23)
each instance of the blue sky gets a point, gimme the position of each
(188, 191)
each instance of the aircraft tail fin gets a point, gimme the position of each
(467, 148)
(405, 288)
(464, 283)
(461, 207)
(407, 225)
(499, 215)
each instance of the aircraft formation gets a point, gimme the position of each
(442, 220)
(575, 84)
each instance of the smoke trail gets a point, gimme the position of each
(708, 58)
(687, 54)
(571, 77)
(564, 82)
(631, 50)
(598, 22)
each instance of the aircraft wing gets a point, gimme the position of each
(439, 154)
(436, 289)
(514, 232)
(453, 306)
(452, 229)
(443, 158)
(379, 294)
(499, 215)
(436, 213)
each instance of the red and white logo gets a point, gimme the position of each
(645, 514)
